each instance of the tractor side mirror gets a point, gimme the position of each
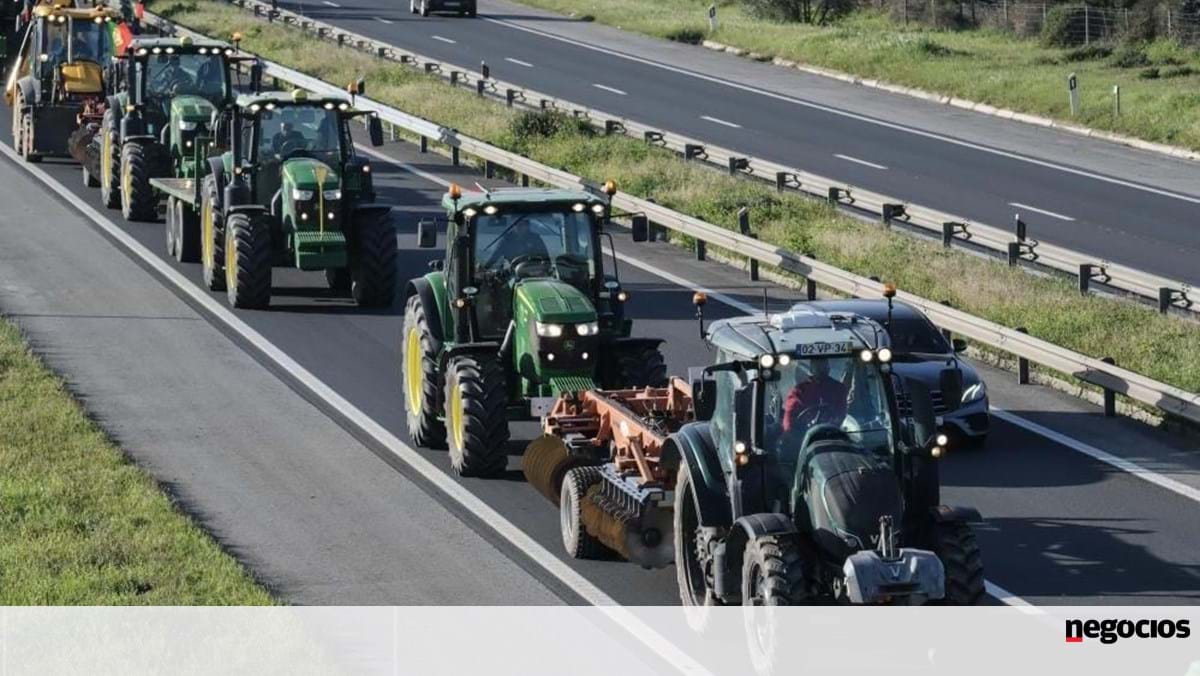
(375, 130)
(256, 76)
(959, 345)
(704, 397)
(951, 382)
(426, 234)
(641, 228)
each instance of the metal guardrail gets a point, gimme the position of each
(1112, 378)
(1016, 245)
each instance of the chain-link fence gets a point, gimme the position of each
(1060, 24)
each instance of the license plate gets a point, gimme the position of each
(818, 349)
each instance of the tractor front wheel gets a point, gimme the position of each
(422, 378)
(138, 202)
(248, 261)
(476, 419)
(690, 559)
(212, 237)
(772, 572)
(373, 263)
(110, 161)
(955, 544)
(577, 541)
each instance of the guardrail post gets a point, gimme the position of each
(1085, 278)
(524, 180)
(1022, 363)
(654, 137)
(835, 195)
(744, 228)
(489, 169)
(613, 127)
(1110, 396)
(737, 165)
(480, 86)
(454, 77)
(1020, 226)
(1014, 253)
(701, 250)
(424, 144)
(454, 156)
(1166, 298)
(510, 95)
(810, 289)
(946, 333)
(947, 234)
(692, 150)
(891, 211)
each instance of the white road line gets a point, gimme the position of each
(1051, 214)
(519, 62)
(445, 40)
(721, 122)
(609, 89)
(1127, 466)
(331, 4)
(383, 20)
(858, 161)
(1010, 599)
(854, 116)
(405, 453)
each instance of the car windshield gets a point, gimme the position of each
(299, 131)
(821, 398)
(916, 335)
(170, 75)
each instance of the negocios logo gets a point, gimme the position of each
(1111, 631)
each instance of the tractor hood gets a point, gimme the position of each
(553, 301)
(304, 174)
(191, 109)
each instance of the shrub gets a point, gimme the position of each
(1149, 74)
(805, 11)
(531, 125)
(1088, 53)
(1181, 71)
(1130, 56)
(689, 34)
(1063, 27)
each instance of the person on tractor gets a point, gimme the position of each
(816, 398)
(288, 139)
(519, 242)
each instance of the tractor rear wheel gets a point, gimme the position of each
(373, 263)
(476, 419)
(422, 378)
(955, 544)
(578, 543)
(772, 572)
(248, 261)
(212, 236)
(187, 233)
(642, 366)
(138, 202)
(110, 161)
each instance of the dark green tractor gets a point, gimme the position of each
(291, 191)
(520, 311)
(163, 95)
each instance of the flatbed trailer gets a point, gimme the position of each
(182, 216)
(601, 460)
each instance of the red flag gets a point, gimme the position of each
(139, 10)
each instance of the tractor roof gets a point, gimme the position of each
(523, 197)
(784, 333)
(294, 98)
(46, 9)
(181, 44)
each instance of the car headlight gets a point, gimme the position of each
(548, 330)
(301, 195)
(333, 194)
(974, 393)
(588, 329)
(187, 126)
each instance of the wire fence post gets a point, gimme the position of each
(1087, 25)
(1006, 14)
(906, 16)
(1168, 23)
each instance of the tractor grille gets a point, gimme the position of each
(571, 385)
(905, 404)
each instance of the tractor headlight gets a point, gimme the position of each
(548, 330)
(766, 361)
(884, 354)
(301, 195)
(588, 329)
(333, 194)
(974, 393)
(187, 126)
(598, 209)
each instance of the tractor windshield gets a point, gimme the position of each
(536, 244)
(90, 41)
(299, 131)
(170, 75)
(830, 397)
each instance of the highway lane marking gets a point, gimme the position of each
(721, 122)
(858, 161)
(519, 62)
(854, 116)
(488, 515)
(1051, 214)
(606, 88)
(445, 40)
(331, 4)
(383, 20)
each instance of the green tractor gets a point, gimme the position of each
(520, 311)
(156, 122)
(290, 191)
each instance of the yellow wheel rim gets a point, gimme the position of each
(126, 182)
(230, 263)
(456, 417)
(106, 161)
(414, 377)
(206, 224)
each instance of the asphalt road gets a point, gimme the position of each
(1137, 210)
(1061, 527)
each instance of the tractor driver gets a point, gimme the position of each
(288, 134)
(817, 398)
(519, 242)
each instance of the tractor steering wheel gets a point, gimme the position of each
(293, 147)
(520, 264)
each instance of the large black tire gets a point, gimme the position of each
(476, 420)
(212, 236)
(338, 280)
(694, 589)
(23, 125)
(110, 161)
(423, 394)
(89, 181)
(373, 262)
(576, 540)
(171, 227)
(248, 261)
(640, 367)
(138, 201)
(187, 233)
(772, 572)
(955, 545)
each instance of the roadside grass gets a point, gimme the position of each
(1163, 348)
(1160, 97)
(80, 524)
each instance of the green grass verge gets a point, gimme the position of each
(1163, 348)
(1160, 93)
(80, 524)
